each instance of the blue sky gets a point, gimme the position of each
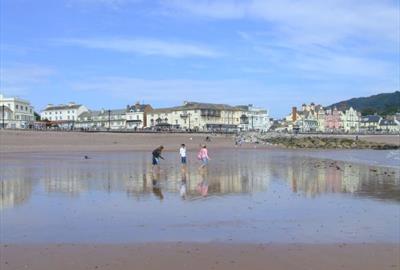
(271, 53)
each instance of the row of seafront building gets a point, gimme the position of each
(315, 118)
(19, 113)
(192, 116)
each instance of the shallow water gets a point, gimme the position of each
(253, 196)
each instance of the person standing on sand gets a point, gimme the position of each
(156, 156)
(203, 156)
(182, 153)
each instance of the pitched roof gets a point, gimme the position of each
(385, 122)
(62, 107)
(102, 113)
(371, 118)
(139, 107)
(200, 106)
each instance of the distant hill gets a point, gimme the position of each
(382, 104)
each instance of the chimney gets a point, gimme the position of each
(294, 114)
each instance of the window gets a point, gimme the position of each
(137, 117)
(16, 106)
(56, 112)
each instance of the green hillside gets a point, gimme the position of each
(382, 104)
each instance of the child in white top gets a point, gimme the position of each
(182, 153)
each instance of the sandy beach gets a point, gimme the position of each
(40, 141)
(158, 256)
(292, 210)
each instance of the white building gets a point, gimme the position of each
(370, 123)
(16, 113)
(350, 120)
(389, 126)
(256, 119)
(63, 115)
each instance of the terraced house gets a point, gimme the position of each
(311, 118)
(103, 120)
(209, 117)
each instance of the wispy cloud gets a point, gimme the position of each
(170, 91)
(324, 63)
(143, 46)
(18, 79)
(113, 4)
(307, 21)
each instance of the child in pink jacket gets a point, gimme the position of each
(203, 156)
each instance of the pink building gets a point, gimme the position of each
(333, 120)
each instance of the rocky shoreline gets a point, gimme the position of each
(317, 142)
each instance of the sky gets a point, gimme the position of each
(274, 54)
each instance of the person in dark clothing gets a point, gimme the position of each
(157, 155)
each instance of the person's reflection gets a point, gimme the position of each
(182, 189)
(156, 185)
(294, 184)
(202, 187)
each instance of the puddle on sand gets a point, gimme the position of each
(244, 196)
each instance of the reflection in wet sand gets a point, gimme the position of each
(243, 195)
(308, 176)
(15, 186)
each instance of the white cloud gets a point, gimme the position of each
(278, 98)
(113, 4)
(325, 63)
(18, 79)
(143, 46)
(308, 21)
(173, 91)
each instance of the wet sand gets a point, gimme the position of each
(291, 211)
(200, 256)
